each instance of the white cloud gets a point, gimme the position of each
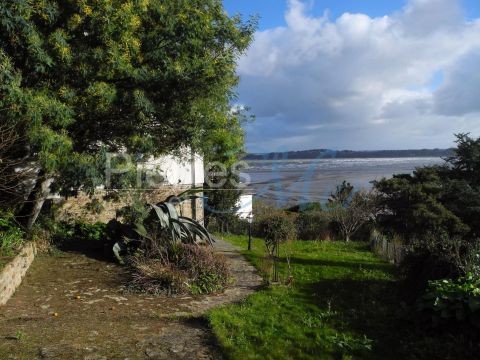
(362, 82)
(460, 93)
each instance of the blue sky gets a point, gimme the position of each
(359, 75)
(272, 12)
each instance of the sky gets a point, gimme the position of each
(360, 75)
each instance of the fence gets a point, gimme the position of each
(389, 251)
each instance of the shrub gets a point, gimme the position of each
(313, 225)
(158, 231)
(188, 268)
(276, 228)
(89, 232)
(453, 303)
(350, 211)
(153, 276)
(435, 257)
(306, 207)
(11, 236)
(49, 234)
(79, 231)
(207, 271)
(364, 232)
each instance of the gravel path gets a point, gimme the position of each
(71, 306)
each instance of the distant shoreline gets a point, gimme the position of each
(349, 154)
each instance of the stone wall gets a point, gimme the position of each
(12, 274)
(79, 207)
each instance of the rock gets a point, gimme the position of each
(46, 353)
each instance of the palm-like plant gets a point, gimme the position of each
(162, 229)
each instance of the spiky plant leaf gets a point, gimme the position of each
(197, 229)
(163, 216)
(186, 236)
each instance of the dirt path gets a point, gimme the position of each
(71, 306)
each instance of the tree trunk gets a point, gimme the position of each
(40, 198)
(33, 206)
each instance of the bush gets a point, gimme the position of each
(188, 268)
(72, 236)
(155, 277)
(207, 271)
(435, 257)
(87, 232)
(313, 225)
(364, 233)
(79, 231)
(276, 228)
(11, 236)
(450, 303)
(306, 207)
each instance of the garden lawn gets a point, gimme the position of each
(343, 304)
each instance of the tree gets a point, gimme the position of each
(413, 205)
(342, 195)
(443, 200)
(436, 211)
(349, 211)
(79, 78)
(226, 144)
(276, 228)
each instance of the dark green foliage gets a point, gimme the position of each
(74, 236)
(364, 232)
(277, 228)
(436, 212)
(155, 230)
(415, 204)
(80, 78)
(305, 207)
(453, 304)
(438, 199)
(436, 257)
(313, 225)
(222, 195)
(342, 194)
(136, 211)
(11, 235)
(80, 231)
(466, 161)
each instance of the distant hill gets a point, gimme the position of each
(348, 154)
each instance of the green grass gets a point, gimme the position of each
(343, 304)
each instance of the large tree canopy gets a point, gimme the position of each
(440, 200)
(146, 76)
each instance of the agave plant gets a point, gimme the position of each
(161, 229)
